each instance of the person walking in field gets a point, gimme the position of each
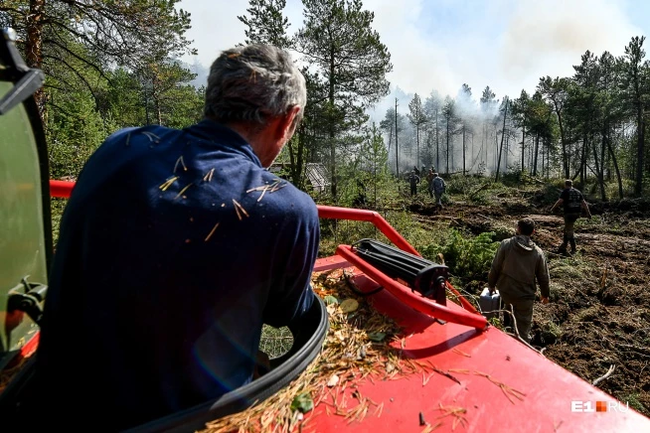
(414, 180)
(573, 202)
(439, 187)
(517, 265)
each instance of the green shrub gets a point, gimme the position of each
(469, 258)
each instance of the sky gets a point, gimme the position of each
(441, 44)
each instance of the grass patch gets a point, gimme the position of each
(570, 268)
(633, 401)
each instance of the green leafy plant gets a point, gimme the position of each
(467, 257)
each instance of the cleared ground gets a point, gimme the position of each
(599, 315)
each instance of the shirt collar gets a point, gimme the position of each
(214, 132)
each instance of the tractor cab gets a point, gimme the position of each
(25, 228)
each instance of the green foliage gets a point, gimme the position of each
(467, 257)
(571, 268)
(167, 96)
(459, 184)
(78, 121)
(266, 23)
(611, 188)
(302, 402)
(635, 403)
(122, 100)
(365, 178)
(57, 206)
(275, 342)
(74, 130)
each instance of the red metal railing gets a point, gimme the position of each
(472, 317)
(377, 220)
(408, 297)
(392, 234)
(61, 188)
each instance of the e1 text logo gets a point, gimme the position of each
(599, 406)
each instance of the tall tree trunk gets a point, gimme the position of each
(437, 143)
(618, 172)
(417, 144)
(583, 159)
(503, 134)
(638, 187)
(390, 137)
(451, 150)
(565, 155)
(523, 141)
(463, 150)
(332, 141)
(600, 167)
(447, 156)
(34, 45)
(544, 156)
(496, 146)
(535, 155)
(505, 154)
(396, 143)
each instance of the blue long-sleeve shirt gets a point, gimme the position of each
(174, 248)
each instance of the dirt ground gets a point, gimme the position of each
(599, 315)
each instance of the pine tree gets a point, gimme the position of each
(98, 35)
(338, 39)
(266, 23)
(433, 109)
(451, 121)
(418, 119)
(635, 85)
(555, 91)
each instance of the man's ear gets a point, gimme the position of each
(286, 124)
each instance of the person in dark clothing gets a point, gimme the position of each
(414, 180)
(362, 197)
(175, 247)
(573, 203)
(517, 264)
(439, 186)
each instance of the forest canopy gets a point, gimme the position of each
(113, 64)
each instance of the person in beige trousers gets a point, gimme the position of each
(518, 266)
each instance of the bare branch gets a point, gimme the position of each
(81, 77)
(81, 59)
(605, 376)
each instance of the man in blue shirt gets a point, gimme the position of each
(174, 249)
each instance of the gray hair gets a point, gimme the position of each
(252, 83)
